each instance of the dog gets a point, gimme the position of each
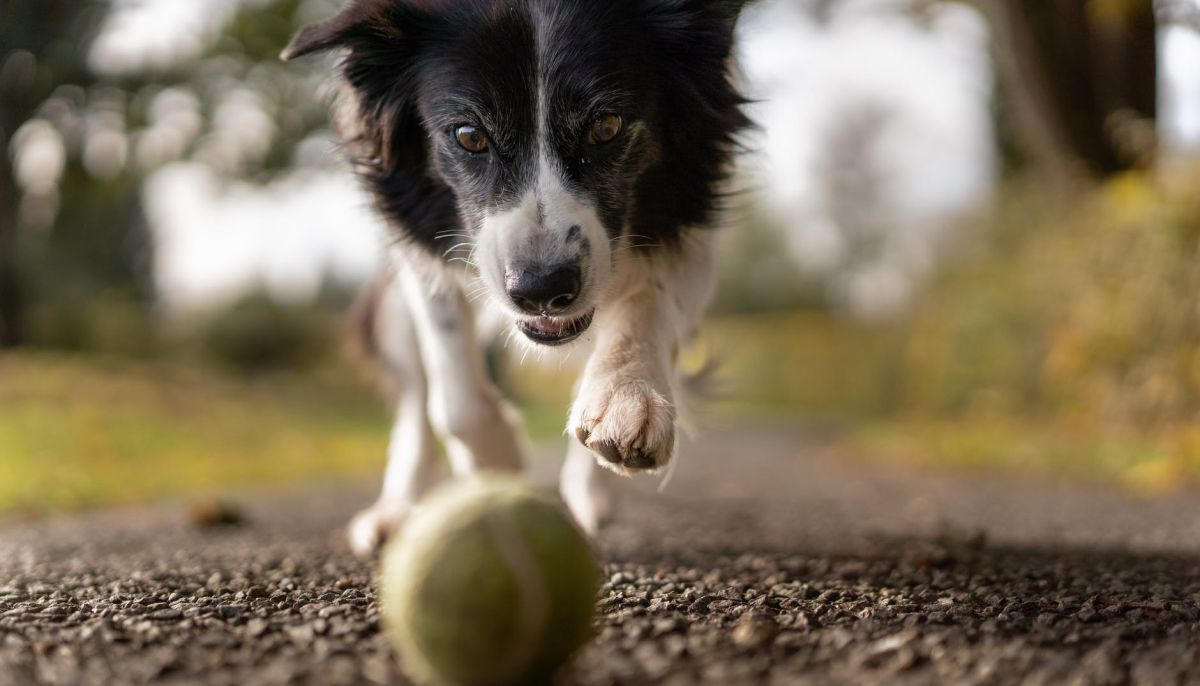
(557, 166)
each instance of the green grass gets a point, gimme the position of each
(78, 432)
(1150, 464)
(81, 431)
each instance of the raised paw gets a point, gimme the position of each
(372, 527)
(628, 424)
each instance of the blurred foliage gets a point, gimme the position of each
(1084, 310)
(258, 334)
(240, 75)
(1066, 340)
(110, 320)
(759, 274)
(70, 231)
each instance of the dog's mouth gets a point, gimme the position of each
(555, 330)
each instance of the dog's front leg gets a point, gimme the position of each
(426, 337)
(625, 410)
(480, 431)
(585, 488)
(412, 451)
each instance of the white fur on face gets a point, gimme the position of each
(537, 234)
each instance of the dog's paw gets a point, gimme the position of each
(372, 527)
(628, 424)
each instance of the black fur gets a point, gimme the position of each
(421, 68)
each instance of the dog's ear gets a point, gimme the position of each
(356, 17)
(725, 12)
(735, 6)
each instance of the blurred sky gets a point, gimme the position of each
(933, 82)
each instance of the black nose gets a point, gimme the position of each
(549, 291)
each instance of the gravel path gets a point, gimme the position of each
(767, 560)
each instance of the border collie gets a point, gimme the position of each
(555, 165)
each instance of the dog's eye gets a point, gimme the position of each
(471, 139)
(605, 128)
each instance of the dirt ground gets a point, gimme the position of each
(768, 559)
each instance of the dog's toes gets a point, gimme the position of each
(582, 434)
(630, 426)
(608, 450)
(640, 460)
(372, 527)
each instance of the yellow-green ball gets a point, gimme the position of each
(490, 582)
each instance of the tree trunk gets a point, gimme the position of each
(1082, 78)
(12, 311)
(56, 35)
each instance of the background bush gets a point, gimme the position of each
(1085, 310)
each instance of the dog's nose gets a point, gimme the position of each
(549, 291)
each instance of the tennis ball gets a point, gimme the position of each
(490, 582)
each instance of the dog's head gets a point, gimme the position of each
(543, 142)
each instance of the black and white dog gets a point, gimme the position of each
(554, 165)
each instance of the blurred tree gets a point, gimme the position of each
(1185, 13)
(44, 45)
(86, 140)
(11, 330)
(1078, 79)
(1081, 77)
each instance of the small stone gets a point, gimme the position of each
(256, 627)
(301, 635)
(211, 514)
(754, 630)
(231, 611)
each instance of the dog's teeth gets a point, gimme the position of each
(554, 331)
(552, 326)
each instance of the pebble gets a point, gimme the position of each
(754, 630)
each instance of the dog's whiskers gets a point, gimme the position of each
(622, 244)
(630, 248)
(508, 338)
(468, 260)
